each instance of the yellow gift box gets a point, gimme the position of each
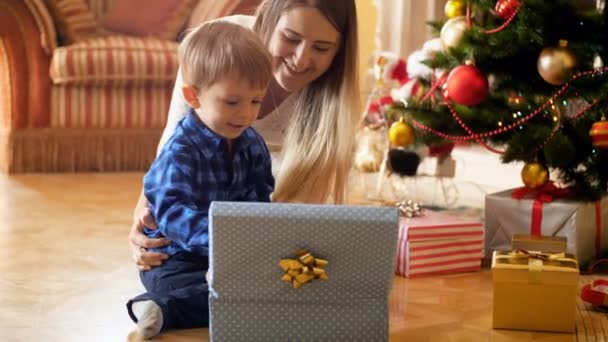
(534, 291)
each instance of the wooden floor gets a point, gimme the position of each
(65, 272)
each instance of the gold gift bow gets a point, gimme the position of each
(536, 261)
(409, 208)
(304, 269)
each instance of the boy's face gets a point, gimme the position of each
(228, 106)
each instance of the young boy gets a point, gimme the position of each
(214, 155)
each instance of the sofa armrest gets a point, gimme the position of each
(25, 53)
(45, 24)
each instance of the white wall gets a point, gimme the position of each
(402, 23)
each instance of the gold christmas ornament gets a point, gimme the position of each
(556, 64)
(534, 175)
(454, 8)
(401, 134)
(452, 32)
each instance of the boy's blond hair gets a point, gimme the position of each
(217, 49)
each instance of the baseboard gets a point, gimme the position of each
(51, 150)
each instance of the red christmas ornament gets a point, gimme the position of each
(505, 8)
(599, 134)
(466, 85)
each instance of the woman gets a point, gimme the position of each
(313, 97)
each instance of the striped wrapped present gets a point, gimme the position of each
(438, 243)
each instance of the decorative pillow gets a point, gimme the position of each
(158, 18)
(74, 21)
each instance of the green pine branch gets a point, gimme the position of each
(509, 58)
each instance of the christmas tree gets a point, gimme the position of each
(523, 78)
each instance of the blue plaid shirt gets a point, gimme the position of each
(195, 168)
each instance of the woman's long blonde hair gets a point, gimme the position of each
(318, 149)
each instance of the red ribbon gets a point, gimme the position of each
(537, 217)
(544, 194)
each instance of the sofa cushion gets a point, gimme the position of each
(109, 107)
(116, 60)
(207, 10)
(75, 21)
(158, 18)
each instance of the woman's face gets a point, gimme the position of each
(303, 45)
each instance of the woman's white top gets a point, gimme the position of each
(272, 127)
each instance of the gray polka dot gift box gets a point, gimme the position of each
(299, 272)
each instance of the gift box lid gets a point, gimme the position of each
(248, 240)
(542, 268)
(540, 243)
(435, 225)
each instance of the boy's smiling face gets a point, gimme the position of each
(228, 106)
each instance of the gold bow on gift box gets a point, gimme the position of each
(304, 269)
(409, 208)
(535, 262)
(536, 259)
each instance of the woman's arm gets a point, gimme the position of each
(138, 241)
(177, 110)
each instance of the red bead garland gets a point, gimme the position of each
(560, 125)
(504, 25)
(478, 136)
(509, 16)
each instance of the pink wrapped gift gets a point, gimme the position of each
(438, 243)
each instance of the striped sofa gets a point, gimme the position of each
(98, 104)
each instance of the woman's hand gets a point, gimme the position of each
(139, 242)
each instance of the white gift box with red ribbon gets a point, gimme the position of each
(584, 224)
(438, 243)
